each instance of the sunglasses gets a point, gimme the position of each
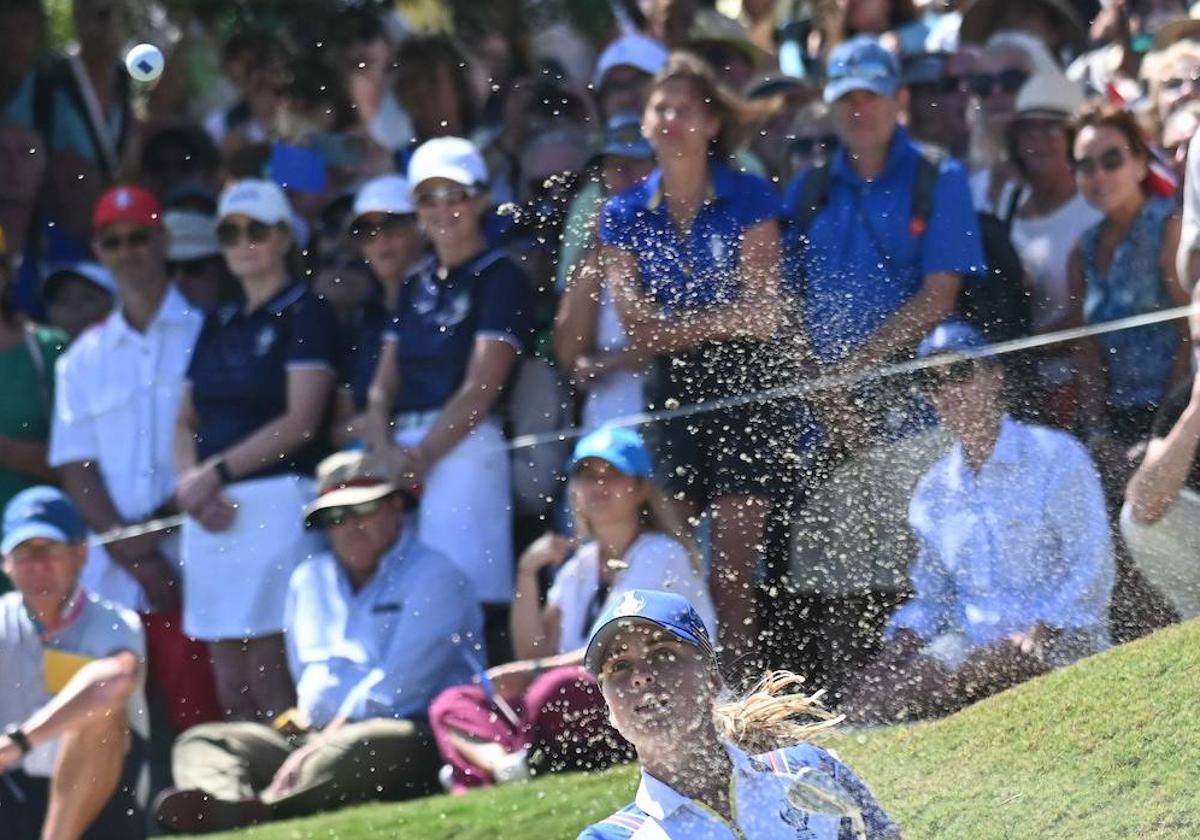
(1110, 161)
(934, 379)
(808, 146)
(362, 231)
(334, 516)
(445, 195)
(115, 242)
(230, 234)
(1008, 81)
(1178, 82)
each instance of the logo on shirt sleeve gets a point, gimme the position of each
(264, 341)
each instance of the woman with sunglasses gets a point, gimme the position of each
(692, 257)
(625, 527)
(461, 321)
(248, 438)
(715, 765)
(1126, 264)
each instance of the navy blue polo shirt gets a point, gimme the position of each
(698, 268)
(362, 340)
(863, 261)
(436, 323)
(239, 368)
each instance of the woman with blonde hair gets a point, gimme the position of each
(545, 702)
(714, 765)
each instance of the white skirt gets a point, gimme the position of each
(466, 508)
(235, 582)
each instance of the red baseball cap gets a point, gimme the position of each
(127, 204)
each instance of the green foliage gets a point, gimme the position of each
(1105, 750)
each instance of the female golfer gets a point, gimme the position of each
(655, 664)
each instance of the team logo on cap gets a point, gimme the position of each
(123, 199)
(631, 604)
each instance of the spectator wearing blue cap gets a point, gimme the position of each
(714, 765)
(73, 717)
(628, 539)
(873, 278)
(692, 257)
(1015, 567)
(249, 435)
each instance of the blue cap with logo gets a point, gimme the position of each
(618, 445)
(860, 64)
(41, 512)
(665, 610)
(952, 336)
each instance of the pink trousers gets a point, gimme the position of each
(562, 716)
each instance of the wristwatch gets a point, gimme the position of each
(14, 734)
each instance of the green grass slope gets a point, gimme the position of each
(1107, 749)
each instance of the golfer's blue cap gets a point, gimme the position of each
(951, 337)
(41, 512)
(860, 64)
(664, 610)
(620, 446)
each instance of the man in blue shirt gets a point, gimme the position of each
(375, 630)
(872, 279)
(1015, 566)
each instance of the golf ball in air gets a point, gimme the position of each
(144, 62)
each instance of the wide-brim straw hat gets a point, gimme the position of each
(981, 21)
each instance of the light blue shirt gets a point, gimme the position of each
(759, 803)
(388, 649)
(1025, 540)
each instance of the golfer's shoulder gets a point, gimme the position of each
(790, 759)
(626, 824)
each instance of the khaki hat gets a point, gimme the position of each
(1048, 95)
(348, 478)
(981, 20)
(712, 27)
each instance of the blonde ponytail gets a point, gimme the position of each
(775, 713)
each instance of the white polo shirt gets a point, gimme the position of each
(117, 397)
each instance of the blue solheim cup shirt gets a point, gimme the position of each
(698, 268)
(437, 321)
(864, 260)
(759, 803)
(239, 371)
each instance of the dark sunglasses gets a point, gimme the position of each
(1110, 161)
(445, 195)
(114, 242)
(934, 379)
(362, 231)
(332, 517)
(231, 233)
(808, 146)
(1177, 82)
(1009, 81)
(189, 268)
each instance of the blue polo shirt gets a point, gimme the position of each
(863, 262)
(698, 268)
(437, 321)
(362, 340)
(238, 372)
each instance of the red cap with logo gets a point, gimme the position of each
(127, 204)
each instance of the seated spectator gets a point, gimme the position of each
(1126, 263)
(375, 629)
(179, 159)
(74, 720)
(1015, 567)
(589, 340)
(194, 261)
(249, 434)
(78, 296)
(1054, 23)
(655, 664)
(784, 99)
(462, 321)
(257, 64)
(1162, 500)
(691, 255)
(1180, 127)
(1172, 77)
(1047, 216)
(28, 353)
(432, 84)
(626, 530)
(813, 139)
(938, 99)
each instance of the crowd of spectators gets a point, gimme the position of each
(288, 317)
